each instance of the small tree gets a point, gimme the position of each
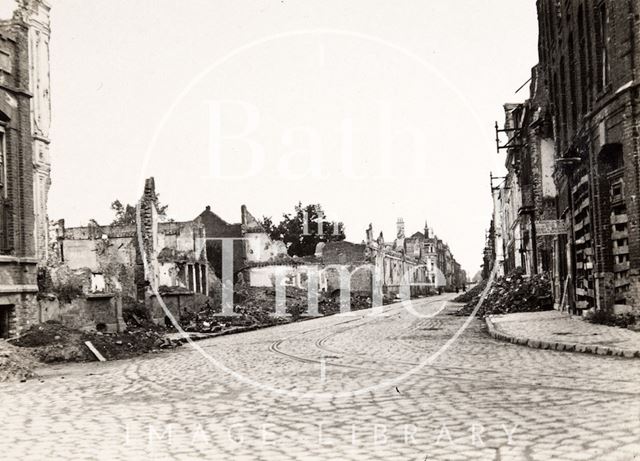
(303, 229)
(126, 214)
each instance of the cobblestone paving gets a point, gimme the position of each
(559, 328)
(478, 399)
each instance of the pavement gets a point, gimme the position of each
(333, 388)
(560, 331)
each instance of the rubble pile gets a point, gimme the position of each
(330, 305)
(15, 363)
(514, 293)
(256, 306)
(471, 294)
(53, 342)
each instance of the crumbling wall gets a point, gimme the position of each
(101, 313)
(259, 246)
(79, 299)
(291, 275)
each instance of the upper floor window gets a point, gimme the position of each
(3, 150)
(3, 192)
(5, 61)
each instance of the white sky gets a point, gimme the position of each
(118, 66)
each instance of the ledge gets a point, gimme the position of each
(100, 295)
(4, 259)
(10, 289)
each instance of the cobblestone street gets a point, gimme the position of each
(325, 389)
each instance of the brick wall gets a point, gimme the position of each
(19, 162)
(344, 253)
(589, 55)
(17, 269)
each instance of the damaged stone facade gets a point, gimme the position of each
(24, 161)
(528, 193)
(258, 246)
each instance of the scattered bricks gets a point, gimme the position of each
(629, 354)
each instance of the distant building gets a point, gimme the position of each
(422, 262)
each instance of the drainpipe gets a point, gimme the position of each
(571, 241)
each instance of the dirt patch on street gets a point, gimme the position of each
(15, 363)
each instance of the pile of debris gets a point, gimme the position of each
(256, 306)
(330, 305)
(471, 294)
(53, 342)
(513, 293)
(15, 363)
(253, 307)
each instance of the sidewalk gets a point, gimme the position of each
(558, 331)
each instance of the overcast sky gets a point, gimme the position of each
(375, 109)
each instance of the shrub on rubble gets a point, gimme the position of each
(607, 317)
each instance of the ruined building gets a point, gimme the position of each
(109, 264)
(25, 117)
(526, 197)
(589, 58)
(150, 264)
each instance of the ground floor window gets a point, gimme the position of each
(6, 318)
